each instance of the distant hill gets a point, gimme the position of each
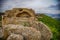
(56, 16)
(53, 24)
(57, 19)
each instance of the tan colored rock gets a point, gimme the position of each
(17, 12)
(28, 33)
(15, 37)
(26, 19)
(9, 26)
(46, 33)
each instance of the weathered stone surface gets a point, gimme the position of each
(28, 33)
(24, 22)
(15, 37)
(46, 33)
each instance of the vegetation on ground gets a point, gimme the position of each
(53, 24)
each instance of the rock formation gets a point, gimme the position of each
(22, 21)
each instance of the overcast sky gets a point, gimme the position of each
(40, 6)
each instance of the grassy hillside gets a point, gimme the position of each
(52, 24)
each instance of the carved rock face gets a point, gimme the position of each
(11, 16)
(24, 23)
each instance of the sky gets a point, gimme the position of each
(40, 6)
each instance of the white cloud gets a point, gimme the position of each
(38, 5)
(50, 11)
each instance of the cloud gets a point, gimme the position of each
(50, 11)
(40, 6)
